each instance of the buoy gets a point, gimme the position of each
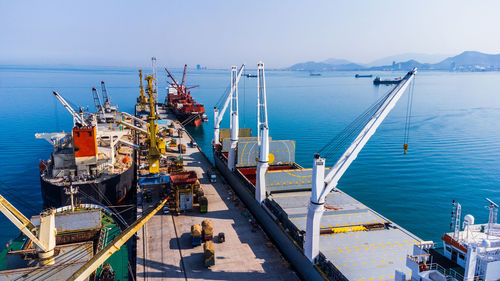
(405, 147)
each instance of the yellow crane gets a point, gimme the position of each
(155, 144)
(88, 268)
(143, 100)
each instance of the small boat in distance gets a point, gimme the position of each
(314, 74)
(378, 81)
(363, 75)
(249, 75)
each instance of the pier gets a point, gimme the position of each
(164, 250)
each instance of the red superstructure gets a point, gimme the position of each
(179, 99)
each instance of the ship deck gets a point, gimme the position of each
(360, 255)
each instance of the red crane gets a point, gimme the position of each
(181, 89)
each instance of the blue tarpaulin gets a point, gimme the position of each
(154, 179)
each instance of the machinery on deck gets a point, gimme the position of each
(155, 144)
(322, 185)
(44, 236)
(142, 100)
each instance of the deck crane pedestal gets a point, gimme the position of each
(44, 237)
(234, 125)
(262, 135)
(322, 185)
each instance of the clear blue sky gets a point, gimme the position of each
(221, 33)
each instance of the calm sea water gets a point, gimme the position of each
(454, 148)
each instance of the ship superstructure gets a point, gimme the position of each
(93, 163)
(471, 251)
(315, 224)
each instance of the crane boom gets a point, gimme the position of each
(97, 101)
(353, 150)
(219, 115)
(46, 238)
(142, 122)
(183, 82)
(105, 96)
(135, 128)
(76, 118)
(88, 268)
(177, 86)
(322, 186)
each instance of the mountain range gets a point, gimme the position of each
(466, 61)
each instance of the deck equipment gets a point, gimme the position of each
(322, 185)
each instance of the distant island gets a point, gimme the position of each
(469, 61)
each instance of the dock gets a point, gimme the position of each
(164, 250)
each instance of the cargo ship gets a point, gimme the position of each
(78, 233)
(322, 231)
(94, 163)
(379, 81)
(182, 104)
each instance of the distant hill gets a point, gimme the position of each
(423, 58)
(337, 61)
(322, 66)
(466, 61)
(470, 59)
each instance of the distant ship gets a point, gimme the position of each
(378, 81)
(249, 75)
(314, 74)
(91, 164)
(180, 101)
(363, 75)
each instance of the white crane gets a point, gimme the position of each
(322, 186)
(262, 135)
(44, 237)
(219, 115)
(76, 117)
(234, 121)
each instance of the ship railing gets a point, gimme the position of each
(329, 269)
(448, 272)
(289, 226)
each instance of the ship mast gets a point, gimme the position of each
(262, 135)
(322, 185)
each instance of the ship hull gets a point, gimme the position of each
(111, 191)
(196, 118)
(288, 248)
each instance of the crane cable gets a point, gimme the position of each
(409, 107)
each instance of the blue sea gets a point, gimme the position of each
(454, 144)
